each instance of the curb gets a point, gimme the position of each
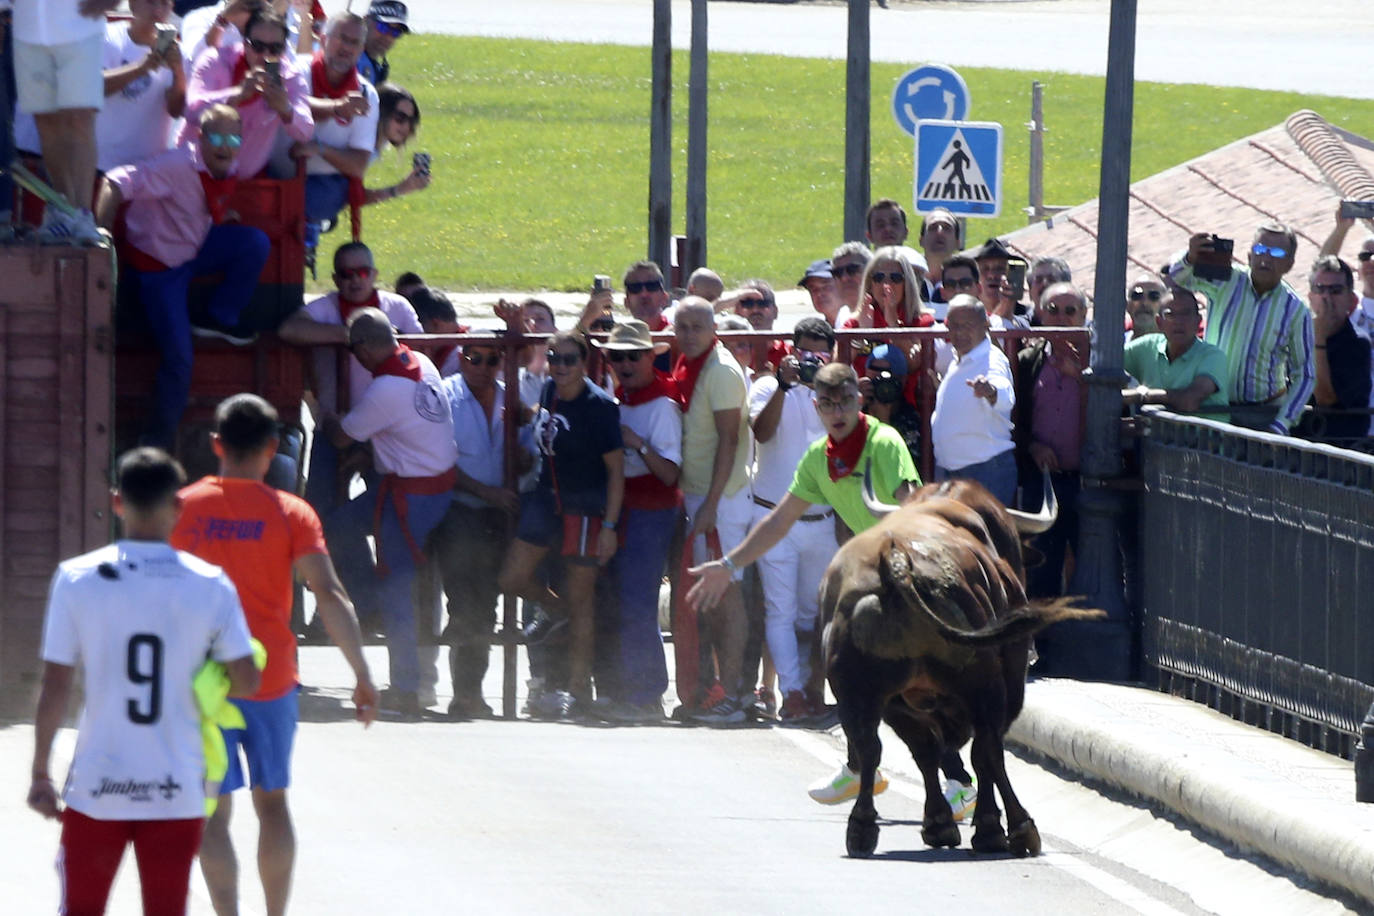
(1204, 786)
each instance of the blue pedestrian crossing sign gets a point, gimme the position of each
(959, 167)
(929, 92)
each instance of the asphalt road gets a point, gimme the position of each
(1262, 44)
(531, 817)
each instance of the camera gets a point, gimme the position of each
(808, 367)
(166, 34)
(1214, 263)
(887, 388)
(601, 283)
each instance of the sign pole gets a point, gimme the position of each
(696, 145)
(661, 138)
(856, 124)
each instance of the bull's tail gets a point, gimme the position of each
(1016, 623)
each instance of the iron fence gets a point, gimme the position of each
(1258, 566)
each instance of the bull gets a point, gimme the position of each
(930, 631)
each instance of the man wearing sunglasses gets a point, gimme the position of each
(386, 23)
(847, 265)
(1143, 301)
(647, 300)
(1173, 367)
(470, 543)
(1341, 354)
(260, 81)
(178, 226)
(1048, 434)
(1261, 324)
(1362, 319)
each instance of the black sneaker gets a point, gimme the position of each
(541, 626)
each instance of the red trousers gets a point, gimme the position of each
(89, 853)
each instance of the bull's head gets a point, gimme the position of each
(1026, 522)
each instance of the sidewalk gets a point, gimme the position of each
(1263, 792)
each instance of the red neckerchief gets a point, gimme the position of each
(776, 353)
(217, 191)
(441, 354)
(662, 386)
(842, 458)
(686, 373)
(402, 363)
(346, 309)
(241, 71)
(322, 88)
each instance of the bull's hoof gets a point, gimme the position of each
(941, 835)
(1024, 840)
(989, 839)
(861, 838)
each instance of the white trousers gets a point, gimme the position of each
(791, 576)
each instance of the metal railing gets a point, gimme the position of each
(1258, 567)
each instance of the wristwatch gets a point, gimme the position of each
(643, 449)
(607, 524)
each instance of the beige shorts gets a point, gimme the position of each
(58, 77)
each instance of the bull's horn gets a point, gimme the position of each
(1042, 520)
(879, 509)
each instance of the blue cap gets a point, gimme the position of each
(892, 355)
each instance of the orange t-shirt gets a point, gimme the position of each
(256, 534)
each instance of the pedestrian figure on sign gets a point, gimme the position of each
(955, 163)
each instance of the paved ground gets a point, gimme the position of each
(1263, 44)
(542, 818)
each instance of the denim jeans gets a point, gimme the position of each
(998, 474)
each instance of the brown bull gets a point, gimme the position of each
(930, 631)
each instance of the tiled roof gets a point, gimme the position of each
(1295, 172)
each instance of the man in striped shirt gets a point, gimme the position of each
(1262, 325)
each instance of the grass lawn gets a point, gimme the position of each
(541, 156)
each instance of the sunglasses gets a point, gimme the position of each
(1140, 292)
(846, 270)
(404, 117)
(389, 29)
(564, 359)
(274, 48)
(826, 405)
(1328, 289)
(895, 277)
(233, 141)
(491, 362)
(754, 303)
(1053, 309)
(1270, 250)
(1366, 255)
(648, 286)
(961, 283)
(353, 273)
(625, 356)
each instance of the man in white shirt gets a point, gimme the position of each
(139, 618)
(971, 426)
(345, 110)
(58, 47)
(144, 90)
(785, 424)
(404, 416)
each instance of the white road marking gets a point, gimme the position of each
(1120, 891)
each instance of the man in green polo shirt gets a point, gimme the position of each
(831, 473)
(1174, 367)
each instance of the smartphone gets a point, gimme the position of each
(1016, 275)
(166, 34)
(1357, 209)
(273, 67)
(1215, 263)
(601, 283)
(420, 163)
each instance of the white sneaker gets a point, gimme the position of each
(77, 229)
(843, 786)
(962, 798)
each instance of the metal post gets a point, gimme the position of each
(1101, 650)
(661, 137)
(696, 145)
(856, 134)
(1036, 209)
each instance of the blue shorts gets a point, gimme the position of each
(266, 742)
(541, 525)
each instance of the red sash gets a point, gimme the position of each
(397, 489)
(842, 458)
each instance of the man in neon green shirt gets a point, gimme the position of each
(1173, 367)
